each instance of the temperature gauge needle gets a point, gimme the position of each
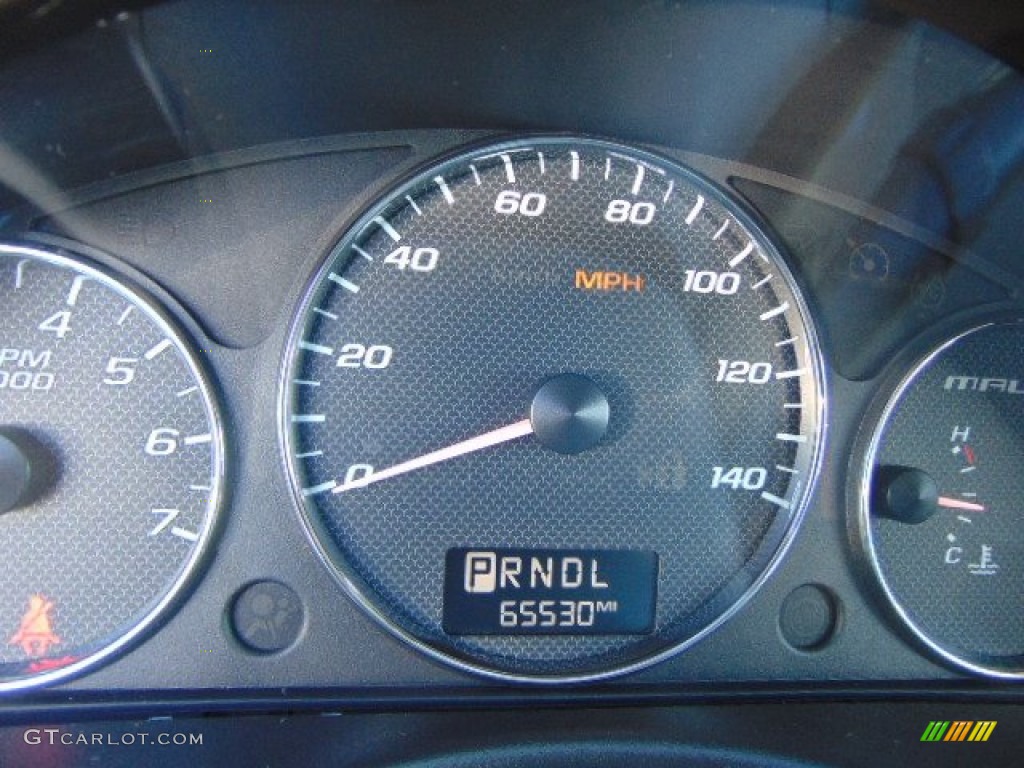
(967, 506)
(478, 443)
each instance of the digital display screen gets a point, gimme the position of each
(550, 592)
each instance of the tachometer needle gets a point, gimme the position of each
(949, 503)
(478, 443)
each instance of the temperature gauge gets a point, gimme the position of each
(941, 512)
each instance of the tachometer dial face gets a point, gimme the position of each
(551, 409)
(942, 497)
(111, 457)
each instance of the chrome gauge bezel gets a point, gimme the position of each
(887, 401)
(126, 287)
(815, 414)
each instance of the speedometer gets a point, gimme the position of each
(552, 409)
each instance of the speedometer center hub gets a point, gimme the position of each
(569, 413)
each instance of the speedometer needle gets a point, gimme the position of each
(967, 506)
(478, 443)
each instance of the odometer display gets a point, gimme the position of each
(554, 345)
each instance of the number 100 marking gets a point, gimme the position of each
(724, 283)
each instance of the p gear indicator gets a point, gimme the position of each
(517, 591)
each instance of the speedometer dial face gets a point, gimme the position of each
(552, 409)
(111, 456)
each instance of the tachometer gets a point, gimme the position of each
(552, 409)
(111, 457)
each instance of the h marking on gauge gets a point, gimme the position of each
(481, 576)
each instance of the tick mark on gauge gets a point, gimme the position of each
(638, 181)
(777, 501)
(739, 257)
(76, 288)
(319, 349)
(158, 349)
(309, 455)
(788, 438)
(443, 186)
(476, 174)
(124, 315)
(348, 285)
(391, 232)
(783, 307)
(412, 203)
(695, 211)
(362, 253)
(510, 173)
(761, 282)
(787, 342)
(322, 488)
(309, 418)
(720, 232)
(186, 392)
(19, 273)
(788, 470)
(790, 374)
(325, 313)
(540, 162)
(668, 192)
(183, 533)
(306, 383)
(198, 439)
(201, 488)
(574, 166)
(607, 168)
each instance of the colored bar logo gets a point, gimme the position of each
(958, 730)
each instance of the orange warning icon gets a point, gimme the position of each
(35, 635)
